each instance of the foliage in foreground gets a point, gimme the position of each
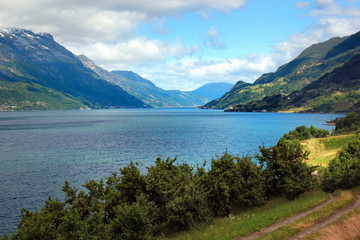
(284, 169)
(344, 171)
(252, 219)
(288, 231)
(169, 197)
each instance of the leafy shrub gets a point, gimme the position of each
(180, 200)
(234, 182)
(133, 221)
(284, 169)
(336, 143)
(350, 123)
(303, 133)
(344, 170)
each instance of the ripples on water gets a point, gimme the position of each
(40, 150)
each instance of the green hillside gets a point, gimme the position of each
(31, 96)
(37, 58)
(308, 67)
(337, 91)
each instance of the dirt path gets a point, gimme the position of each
(332, 218)
(256, 235)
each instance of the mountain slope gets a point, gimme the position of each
(311, 64)
(212, 90)
(337, 91)
(37, 58)
(144, 89)
(30, 96)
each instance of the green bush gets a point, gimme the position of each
(133, 221)
(350, 123)
(234, 182)
(180, 200)
(336, 143)
(302, 133)
(344, 171)
(284, 169)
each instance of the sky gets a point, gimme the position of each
(184, 44)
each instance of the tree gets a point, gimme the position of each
(284, 169)
(351, 122)
(344, 170)
(174, 189)
(234, 182)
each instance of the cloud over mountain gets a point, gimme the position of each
(148, 37)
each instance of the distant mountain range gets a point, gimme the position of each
(308, 67)
(145, 90)
(37, 73)
(212, 91)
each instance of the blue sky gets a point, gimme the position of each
(253, 28)
(185, 44)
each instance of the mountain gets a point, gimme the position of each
(25, 95)
(337, 92)
(144, 89)
(29, 57)
(308, 67)
(212, 90)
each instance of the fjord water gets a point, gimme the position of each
(40, 150)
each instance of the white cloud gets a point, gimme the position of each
(303, 4)
(74, 21)
(134, 51)
(190, 73)
(160, 26)
(214, 39)
(332, 8)
(333, 21)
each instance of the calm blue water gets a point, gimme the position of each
(40, 150)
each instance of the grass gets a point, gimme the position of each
(323, 150)
(319, 155)
(336, 142)
(347, 227)
(344, 198)
(252, 219)
(30, 96)
(298, 109)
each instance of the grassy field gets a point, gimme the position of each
(322, 150)
(253, 219)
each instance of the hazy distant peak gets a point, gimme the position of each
(213, 90)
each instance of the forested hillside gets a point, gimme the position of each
(308, 67)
